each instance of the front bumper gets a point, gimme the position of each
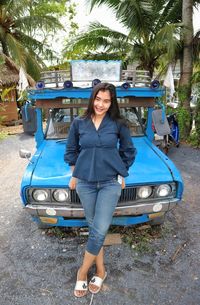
(128, 210)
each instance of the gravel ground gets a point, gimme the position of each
(39, 267)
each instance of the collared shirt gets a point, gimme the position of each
(99, 154)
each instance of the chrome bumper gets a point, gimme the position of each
(129, 210)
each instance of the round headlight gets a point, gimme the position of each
(163, 190)
(144, 191)
(60, 195)
(40, 195)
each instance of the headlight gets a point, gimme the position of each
(60, 195)
(163, 190)
(40, 195)
(144, 191)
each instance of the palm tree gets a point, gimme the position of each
(20, 28)
(157, 32)
(186, 68)
(153, 30)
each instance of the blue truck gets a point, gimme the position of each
(154, 185)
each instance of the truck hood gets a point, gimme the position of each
(150, 165)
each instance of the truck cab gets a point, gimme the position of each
(154, 185)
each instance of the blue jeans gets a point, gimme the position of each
(99, 200)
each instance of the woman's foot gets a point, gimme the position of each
(81, 287)
(97, 280)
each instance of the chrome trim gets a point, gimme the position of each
(139, 209)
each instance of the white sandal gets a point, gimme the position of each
(80, 286)
(97, 281)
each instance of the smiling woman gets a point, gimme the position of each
(98, 171)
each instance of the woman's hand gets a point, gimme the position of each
(72, 183)
(123, 183)
(121, 180)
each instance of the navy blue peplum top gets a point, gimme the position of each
(99, 154)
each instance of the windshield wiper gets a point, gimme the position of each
(61, 140)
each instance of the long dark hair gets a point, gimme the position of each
(113, 111)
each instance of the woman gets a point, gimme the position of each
(98, 171)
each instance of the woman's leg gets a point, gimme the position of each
(100, 268)
(106, 202)
(99, 204)
(87, 193)
(99, 261)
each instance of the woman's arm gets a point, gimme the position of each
(72, 181)
(72, 147)
(72, 151)
(127, 150)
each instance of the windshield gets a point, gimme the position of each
(59, 119)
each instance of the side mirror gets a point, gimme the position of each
(160, 122)
(23, 153)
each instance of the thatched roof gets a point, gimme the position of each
(9, 73)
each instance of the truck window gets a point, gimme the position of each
(60, 119)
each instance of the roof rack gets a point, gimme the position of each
(56, 79)
(83, 72)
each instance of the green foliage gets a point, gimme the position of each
(5, 92)
(183, 112)
(196, 77)
(61, 66)
(183, 94)
(184, 121)
(3, 95)
(139, 237)
(3, 135)
(194, 138)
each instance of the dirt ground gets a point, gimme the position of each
(158, 266)
(11, 130)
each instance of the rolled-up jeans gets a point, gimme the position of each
(99, 200)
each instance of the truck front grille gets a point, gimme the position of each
(127, 195)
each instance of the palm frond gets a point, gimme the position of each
(34, 45)
(196, 47)
(27, 23)
(103, 56)
(170, 13)
(16, 50)
(33, 65)
(110, 3)
(97, 36)
(136, 14)
(169, 38)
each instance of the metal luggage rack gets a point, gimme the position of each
(57, 78)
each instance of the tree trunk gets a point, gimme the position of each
(4, 48)
(186, 67)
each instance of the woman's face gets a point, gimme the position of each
(102, 102)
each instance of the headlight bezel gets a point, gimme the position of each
(49, 199)
(56, 191)
(40, 192)
(161, 188)
(154, 194)
(142, 189)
